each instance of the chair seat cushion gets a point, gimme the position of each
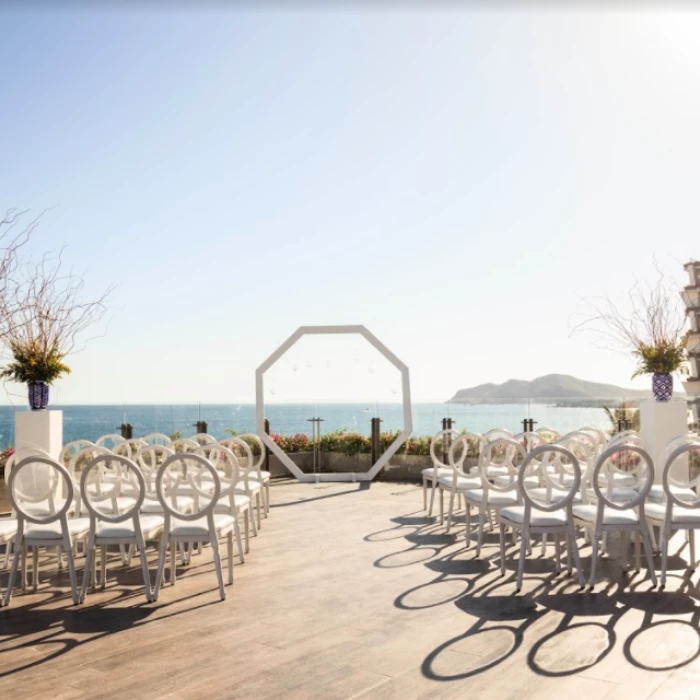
(8, 528)
(540, 494)
(679, 516)
(611, 516)
(223, 522)
(240, 500)
(77, 527)
(441, 471)
(495, 498)
(531, 482)
(538, 518)
(657, 493)
(150, 526)
(617, 495)
(123, 503)
(153, 505)
(461, 483)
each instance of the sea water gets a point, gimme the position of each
(90, 422)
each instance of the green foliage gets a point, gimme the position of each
(624, 411)
(177, 435)
(34, 363)
(663, 358)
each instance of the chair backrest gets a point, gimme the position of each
(185, 445)
(158, 439)
(553, 465)
(639, 470)
(675, 442)
(258, 449)
(531, 440)
(671, 479)
(40, 489)
(600, 435)
(187, 474)
(228, 468)
(549, 434)
(78, 462)
(242, 450)
(626, 437)
(496, 434)
(442, 441)
(148, 459)
(459, 450)
(586, 458)
(203, 438)
(505, 453)
(71, 449)
(104, 483)
(109, 441)
(129, 448)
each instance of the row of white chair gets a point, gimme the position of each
(581, 481)
(122, 501)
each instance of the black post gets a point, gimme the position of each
(526, 425)
(201, 426)
(375, 439)
(127, 430)
(267, 452)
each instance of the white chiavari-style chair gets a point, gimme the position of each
(545, 512)
(679, 512)
(256, 472)
(111, 525)
(110, 441)
(193, 475)
(158, 439)
(247, 485)
(456, 481)
(35, 481)
(503, 454)
(431, 475)
(615, 510)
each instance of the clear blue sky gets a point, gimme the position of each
(455, 180)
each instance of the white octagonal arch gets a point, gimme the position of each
(333, 330)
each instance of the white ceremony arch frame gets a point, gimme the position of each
(333, 330)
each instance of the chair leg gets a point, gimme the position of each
(502, 538)
(637, 552)
(480, 534)
(103, 563)
(161, 565)
(13, 572)
(557, 553)
(425, 493)
(71, 571)
(433, 486)
(624, 543)
(442, 506)
(468, 521)
(247, 535)
(577, 556)
(217, 564)
(450, 508)
(664, 554)
(241, 553)
(144, 566)
(594, 559)
(35, 568)
(59, 557)
(229, 541)
(251, 517)
(521, 561)
(649, 552)
(88, 569)
(257, 509)
(24, 568)
(569, 566)
(691, 544)
(173, 562)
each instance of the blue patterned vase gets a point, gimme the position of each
(38, 395)
(662, 386)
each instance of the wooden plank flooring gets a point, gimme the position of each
(351, 592)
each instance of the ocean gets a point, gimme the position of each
(90, 422)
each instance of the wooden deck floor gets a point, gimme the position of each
(351, 592)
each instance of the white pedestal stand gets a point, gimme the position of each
(42, 429)
(660, 422)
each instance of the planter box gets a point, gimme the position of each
(694, 343)
(691, 297)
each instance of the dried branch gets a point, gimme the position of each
(653, 329)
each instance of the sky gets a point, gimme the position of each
(456, 179)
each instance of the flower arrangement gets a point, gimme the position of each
(34, 361)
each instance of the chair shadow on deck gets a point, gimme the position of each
(577, 629)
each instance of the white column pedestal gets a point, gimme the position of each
(660, 422)
(42, 429)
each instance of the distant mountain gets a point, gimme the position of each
(560, 389)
